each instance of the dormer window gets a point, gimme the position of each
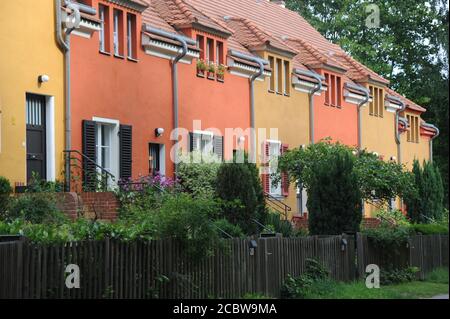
(412, 134)
(376, 107)
(333, 95)
(280, 81)
(212, 58)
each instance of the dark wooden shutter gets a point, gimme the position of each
(218, 146)
(265, 176)
(126, 150)
(89, 150)
(284, 175)
(193, 138)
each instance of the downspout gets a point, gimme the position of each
(317, 88)
(184, 50)
(360, 105)
(261, 63)
(434, 137)
(64, 45)
(397, 134)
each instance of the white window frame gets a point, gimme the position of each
(116, 33)
(114, 144)
(102, 10)
(273, 162)
(130, 36)
(209, 148)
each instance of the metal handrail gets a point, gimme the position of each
(279, 204)
(69, 158)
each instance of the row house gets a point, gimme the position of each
(146, 79)
(31, 93)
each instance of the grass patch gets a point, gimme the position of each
(436, 284)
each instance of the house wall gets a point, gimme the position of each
(339, 124)
(288, 114)
(412, 150)
(28, 49)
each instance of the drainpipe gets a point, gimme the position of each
(434, 137)
(360, 105)
(317, 88)
(397, 117)
(261, 63)
(64, 45)
(184, 41)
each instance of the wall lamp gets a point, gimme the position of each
(159, 131)
(43, 78)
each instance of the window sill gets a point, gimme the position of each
(118, 56)
(270, 91)
(132, 60)
(287, 95)
(278, 93)
(104, 53)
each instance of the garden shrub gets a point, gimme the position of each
(279, 225)
(239, 188)
(38, 185)
(5, 193)
(334, 198)
(314, 280)
(197, 173)
(233, 230)
(426, 201)
(430, 229)
(36, 208)
(392, 276)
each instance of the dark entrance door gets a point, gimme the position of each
(36, 128)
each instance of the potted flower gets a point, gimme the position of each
(201, 67)
(221, 72)
(211, 71)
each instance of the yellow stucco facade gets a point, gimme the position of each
(28, 49)
(414, 148)
(287, 113)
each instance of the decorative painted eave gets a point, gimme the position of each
(306, 86)
(238, 68)
(403, 124)
(139, 6)
(391, 106)
(427, 129)
(88, 24)
(353, 94)
(167, 50)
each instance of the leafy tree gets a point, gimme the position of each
(5, 192)
(378, 181)
(334, 198)
(239, 187)
(410, 48)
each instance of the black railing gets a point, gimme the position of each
(278, 205)
(96, 178)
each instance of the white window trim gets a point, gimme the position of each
(102, 28)
(279, 192)
(130, 36)
(115, 144)
(116, 32)
(50, 137)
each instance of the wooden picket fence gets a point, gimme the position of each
(424, 252)
(162, 269)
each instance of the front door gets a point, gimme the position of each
(36, 129)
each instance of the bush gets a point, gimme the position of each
(224, 225)
(334, 198)
(5, 193)
(430, 229)
(275, 222)
(314, 280)
(36, 208)
(239, 188)
(426, 202)
(197, 174)
(39, 185)
(391, 276)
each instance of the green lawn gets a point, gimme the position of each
(436, 283)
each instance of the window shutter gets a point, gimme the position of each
(193, 138)
(126, 149)
(265, 176)
(89, 150)
(284, 175)
(218, 146)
